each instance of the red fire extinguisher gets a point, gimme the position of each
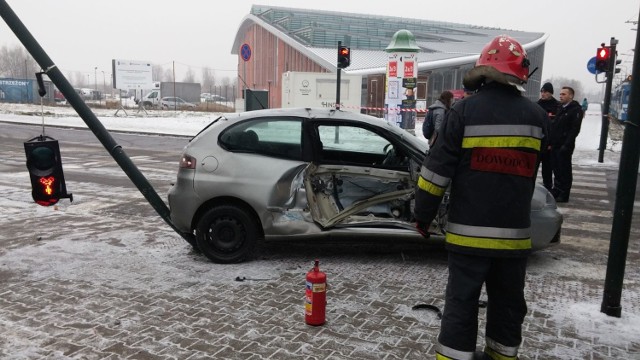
(315, 304)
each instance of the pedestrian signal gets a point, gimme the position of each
(603, 55)
(344, 57)
(45, 170)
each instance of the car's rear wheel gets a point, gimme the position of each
(227, 234)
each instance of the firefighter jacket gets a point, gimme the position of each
(487, 152)
(565, 127)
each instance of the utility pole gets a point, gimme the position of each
(95, 81)
(104, 85)
(625, 198)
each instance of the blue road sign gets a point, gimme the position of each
(245, 52)
(591, 65)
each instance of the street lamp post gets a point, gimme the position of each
(104, 85)
(95, 81)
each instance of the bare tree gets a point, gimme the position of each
(70, 78)
(168, 75)
(156, 72)
(208, 80)
(228, 88)
(16, 62)
(189, 76)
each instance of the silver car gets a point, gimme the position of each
(299, 173)
(170, 102)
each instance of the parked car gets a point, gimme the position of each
(206, 97)
(175, 103)
(218, 98)
(301, 173)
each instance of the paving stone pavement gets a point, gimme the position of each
(114, 282)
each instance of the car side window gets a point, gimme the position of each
(275, 137)
(346, 144)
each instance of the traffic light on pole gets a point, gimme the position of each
(45, 170)
(344, 57)
(603, 56)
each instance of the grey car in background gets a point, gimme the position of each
(170, 103)
(303, 173)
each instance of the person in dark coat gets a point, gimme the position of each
(550, 106)
(440, 108)
(563, 130)
(487, 151)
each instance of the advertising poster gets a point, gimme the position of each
(402, 76)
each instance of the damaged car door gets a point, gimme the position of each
(360, 178)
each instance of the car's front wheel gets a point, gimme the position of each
(227, 234)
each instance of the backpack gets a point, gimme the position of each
(428, 125)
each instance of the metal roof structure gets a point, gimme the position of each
(316, 33)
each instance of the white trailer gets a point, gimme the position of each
(308, 89)
(189, 92)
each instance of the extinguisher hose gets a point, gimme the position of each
(242, 278)
(428, 307)
(481, 304)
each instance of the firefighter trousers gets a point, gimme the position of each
(504, 279)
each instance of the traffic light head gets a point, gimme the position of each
(603, 56)
(344, 57)
(45, 170)
(618, 62)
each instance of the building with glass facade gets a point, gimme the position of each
(273, 40)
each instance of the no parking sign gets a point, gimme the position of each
(245, 52)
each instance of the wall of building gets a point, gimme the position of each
(270, 58)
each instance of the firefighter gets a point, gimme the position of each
(487, 152)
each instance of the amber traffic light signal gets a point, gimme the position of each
(45, 170)
(603, 56)
(344, 57)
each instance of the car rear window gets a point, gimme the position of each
(274, 137)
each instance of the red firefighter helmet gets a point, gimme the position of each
(506, 55)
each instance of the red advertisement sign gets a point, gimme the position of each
(393, 69)
(408, 69)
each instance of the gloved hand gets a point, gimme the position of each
(423, 229)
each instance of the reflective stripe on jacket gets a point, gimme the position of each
(487, 154)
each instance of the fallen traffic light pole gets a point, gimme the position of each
(114, 149)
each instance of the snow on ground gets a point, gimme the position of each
(587, 316)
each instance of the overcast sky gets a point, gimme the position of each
(80, 35)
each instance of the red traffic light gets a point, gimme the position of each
(344, 57)
(603, 55)
(45, 170)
